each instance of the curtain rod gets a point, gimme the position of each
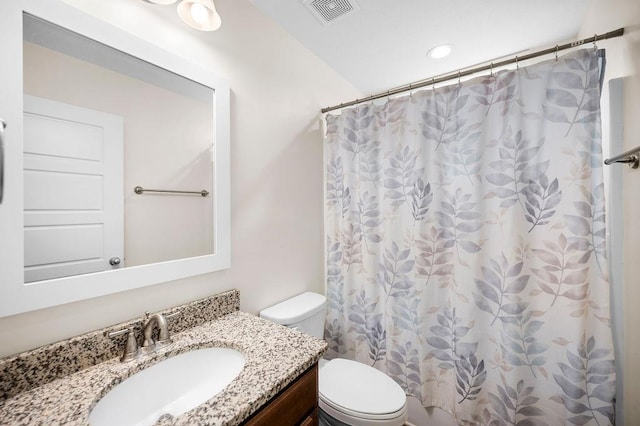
(450, 76)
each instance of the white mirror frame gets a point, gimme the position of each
(16, 296)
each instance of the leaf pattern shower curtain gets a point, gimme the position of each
(466, 245)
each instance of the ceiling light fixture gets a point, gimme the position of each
(439, 52)
(198, 14)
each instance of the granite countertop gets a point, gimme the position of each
(275, 356)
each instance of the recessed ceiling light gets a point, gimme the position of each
(439, 52)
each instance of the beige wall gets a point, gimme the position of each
(278, 88)
(623, 60)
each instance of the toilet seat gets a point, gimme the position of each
(357, 394)
(344, 414)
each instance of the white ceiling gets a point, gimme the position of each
(384, 44)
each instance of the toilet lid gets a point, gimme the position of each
(358, 388)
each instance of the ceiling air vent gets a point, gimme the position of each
(330, 11)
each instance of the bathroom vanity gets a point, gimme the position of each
(60, 384)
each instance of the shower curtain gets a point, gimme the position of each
(466, 245)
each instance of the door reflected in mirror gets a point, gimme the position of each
(97, 123)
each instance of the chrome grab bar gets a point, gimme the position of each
(3, 126)
(139, 190)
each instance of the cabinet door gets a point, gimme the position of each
(296, 405)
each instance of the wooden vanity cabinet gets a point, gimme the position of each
(296, 405)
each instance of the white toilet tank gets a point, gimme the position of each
(304, 312)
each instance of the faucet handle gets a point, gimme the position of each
(172, 315)
(163, 330)
(131, 348)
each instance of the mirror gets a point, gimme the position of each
(101, 113)
(98, 123)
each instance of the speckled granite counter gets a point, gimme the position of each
(275, 356)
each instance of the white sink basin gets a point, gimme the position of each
(173, 386)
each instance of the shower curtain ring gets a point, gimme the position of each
(458, 77)
(595, 38)
(491, 70)
(411, 93)
(557, 53)
(433, 83)
(517, 64)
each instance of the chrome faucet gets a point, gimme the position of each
(149, 344)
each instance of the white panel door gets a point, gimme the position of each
(73, 191)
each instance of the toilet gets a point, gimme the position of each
(350, 393)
